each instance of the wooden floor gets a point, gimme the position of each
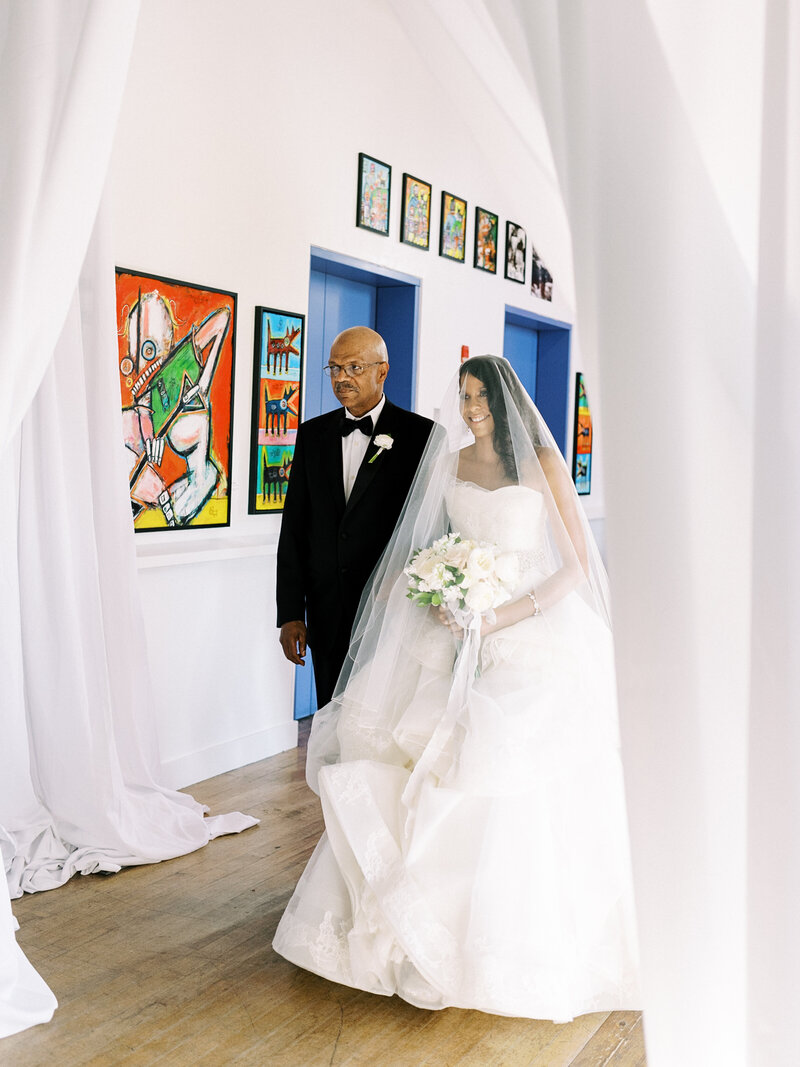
(172, 964)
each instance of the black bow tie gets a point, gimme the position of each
(365, 425)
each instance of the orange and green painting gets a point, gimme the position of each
(176, 361)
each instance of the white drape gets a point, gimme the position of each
(658, 133)
(78, 790)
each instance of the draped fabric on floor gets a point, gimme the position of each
(675, 133)
(79, 766)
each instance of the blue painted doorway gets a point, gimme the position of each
(346, 292)
(538, 350)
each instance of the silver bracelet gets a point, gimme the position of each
(536, 609)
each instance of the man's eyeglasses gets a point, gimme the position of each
(352, 370)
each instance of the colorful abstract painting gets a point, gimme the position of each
(374, 192)
(415, 223)
(582, 450)
(176, 363)
(453, 228)
(277, 367)
(485, 240)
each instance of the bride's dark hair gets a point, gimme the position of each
(486, 370)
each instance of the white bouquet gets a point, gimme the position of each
(470, 578)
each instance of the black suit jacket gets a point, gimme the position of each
(328, 548)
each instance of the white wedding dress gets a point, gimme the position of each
(475, 853)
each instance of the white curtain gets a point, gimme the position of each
(78, 764)
(688, 291)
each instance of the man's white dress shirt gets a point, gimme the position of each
(354, 447)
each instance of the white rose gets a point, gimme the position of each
(506, 568)
(480, 563)
(383, 440)
(425, 565)
(480, 597)
(458, 554)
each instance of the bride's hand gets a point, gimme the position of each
(443, 616)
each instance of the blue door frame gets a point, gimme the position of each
(538, 350)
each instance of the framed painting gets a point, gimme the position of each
(516, 248)
(374, 193)
(176, 364)
(582, 444)
(485, 240)
(277, 371)
(453, 227)
(541, 278)
(415, 221)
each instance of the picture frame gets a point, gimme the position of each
(516, 251)
(582, 439)
(485, 256)
(373, 202)
(176, 359)
(278, 351)
(541, 278)
(415, 217)
(453, 228)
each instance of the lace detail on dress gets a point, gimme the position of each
(350, 784)
(532, 561)
(374, 864)
(326, 944)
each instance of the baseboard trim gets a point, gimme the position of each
(208, 762)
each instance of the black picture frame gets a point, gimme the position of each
(415, 216)
(373, 194)
(485, 244)
(193, 302)
(582, 439)
(516, 251)
(453, 228)
(276, 401)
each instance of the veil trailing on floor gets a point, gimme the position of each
(400, 653)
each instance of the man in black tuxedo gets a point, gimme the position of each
(351, 473)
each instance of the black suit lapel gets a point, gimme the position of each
(368, 470)
(331, 462)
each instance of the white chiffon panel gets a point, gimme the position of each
(87, 691)
(774, 739)
(654, 111)
(25, 998)
(62, 70)
(79, 764)
(63, 66)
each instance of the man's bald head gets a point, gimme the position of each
(364, 340)
(362, 347)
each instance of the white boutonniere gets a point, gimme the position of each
(384, 441)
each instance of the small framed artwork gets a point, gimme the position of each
(541, 278)
(453, 228)
(277, 369)
(582, 450)
(176, 360)
(485, 240)
(415, 222)
(374, 192)
(516, 248)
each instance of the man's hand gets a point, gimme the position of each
(293, 641)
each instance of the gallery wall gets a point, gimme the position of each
(236, 153)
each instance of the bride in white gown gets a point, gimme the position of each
(475, 852)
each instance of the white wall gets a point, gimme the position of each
(236, 152)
